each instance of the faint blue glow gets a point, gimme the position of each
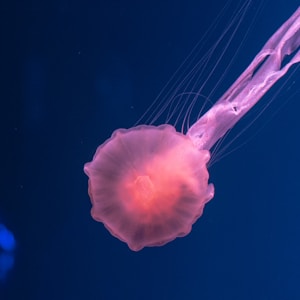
(7, 240)
(7, 245)
(6, 263)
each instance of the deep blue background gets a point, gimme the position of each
(72, 72)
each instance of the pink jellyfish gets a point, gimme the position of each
(148, 185)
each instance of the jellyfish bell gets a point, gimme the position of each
(148, 185)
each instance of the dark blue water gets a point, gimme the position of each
(73, 71)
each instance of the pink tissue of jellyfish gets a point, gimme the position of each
(148, 184)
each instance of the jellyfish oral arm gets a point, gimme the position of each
(264, 71)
